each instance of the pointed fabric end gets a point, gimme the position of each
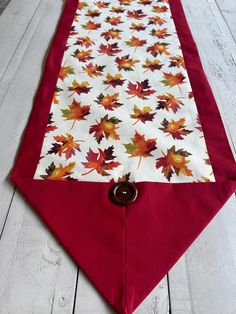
(125, 252)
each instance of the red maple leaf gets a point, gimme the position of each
(140, 89)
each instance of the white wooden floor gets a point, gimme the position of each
(36, 275)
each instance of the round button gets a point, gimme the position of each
(123, 193)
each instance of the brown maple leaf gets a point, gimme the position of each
(65, 144)
(139, 147)
(79, 88)
(59, 173)
(126, 63)
(152, 65)
(142, 115)
(117, 9)
(101, 162)
(56, 94)
(50, 125)
(114, 21)
(75, 112)
(112, 34)
(177, 61)
(93, 70)
(159, 9)
(65, 71)
(105, 128)
(102, 4)
(93, 13)
(138, 27)
(174, 162)
(158, 48)
(113, 80)
(125, 177)
(108, 102)
(169, 101)
(172, 80)
(144, 2)
(83, 55)
(109, 50)
(136, 14)
(84, 41)
(156, 20)
(140, 89)
(175, 128)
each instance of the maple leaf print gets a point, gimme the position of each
(93, 13)
(111, 34)
(56, 94)
(136, 14)
(81, 5)
(142, 115)
(177, 61)
(156, 20)
(172, 80)
(65, 144)
(108, 102)
(159, 9)
(83, 55)
(125, 2)
(73, 32)
(114, 21)
(190, 95)
(126, 63)
(79, 88)
(59, 173)
(93, 70)
(84, 41)
(136, 42)
(140, 147)
(152, 65)
(105, 128)
(50, 125)
(90, 25)
(175, 128)
(169, 101)
(117, 9)
(174, 162)
(137, 27)
(159, 33)
(101, 162)
(140, 89)
(109, 50)
(75, 112)
(125, 177)
(199, 127)
(158, 48)
(113, 81)
(65, 71)
(102, 4)
(144, 2)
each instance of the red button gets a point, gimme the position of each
(123, 193)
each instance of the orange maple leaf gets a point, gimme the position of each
(159, 9)
(142, 115)
(65, 71)
(111, 34)
(114, 21)
(174, 162)
(158, 48)
(90, 25)
(93, 70)
(81, 5)
(50, 125)
(117, 9)
(144, 2)
(177, 61)
(56, 94)
(159, 33)
(136, 14)
(125, 2)
(75, 112)
(140, 147)
(126, 63)
(136, 42)
(109, 50)
(59, 173)
(105, 128)
(156, 20)
(93, 13)
(138, 27)
(102, 4)
(169, 101)
(65, 144)
(83, 55)
(101, 161)
(84, 41)
(140, 89)
(108, 102)
(79, 88)
(113, 80)
(172, 80)
(175, 128)
(152, 65)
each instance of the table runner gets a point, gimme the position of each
(124, 99)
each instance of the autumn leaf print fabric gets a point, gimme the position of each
(123, 105)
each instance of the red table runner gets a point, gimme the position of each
(130, 160)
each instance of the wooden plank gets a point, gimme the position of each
(88, 300)
(203, 281)
(228, 10)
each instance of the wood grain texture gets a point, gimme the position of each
(36, 275)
